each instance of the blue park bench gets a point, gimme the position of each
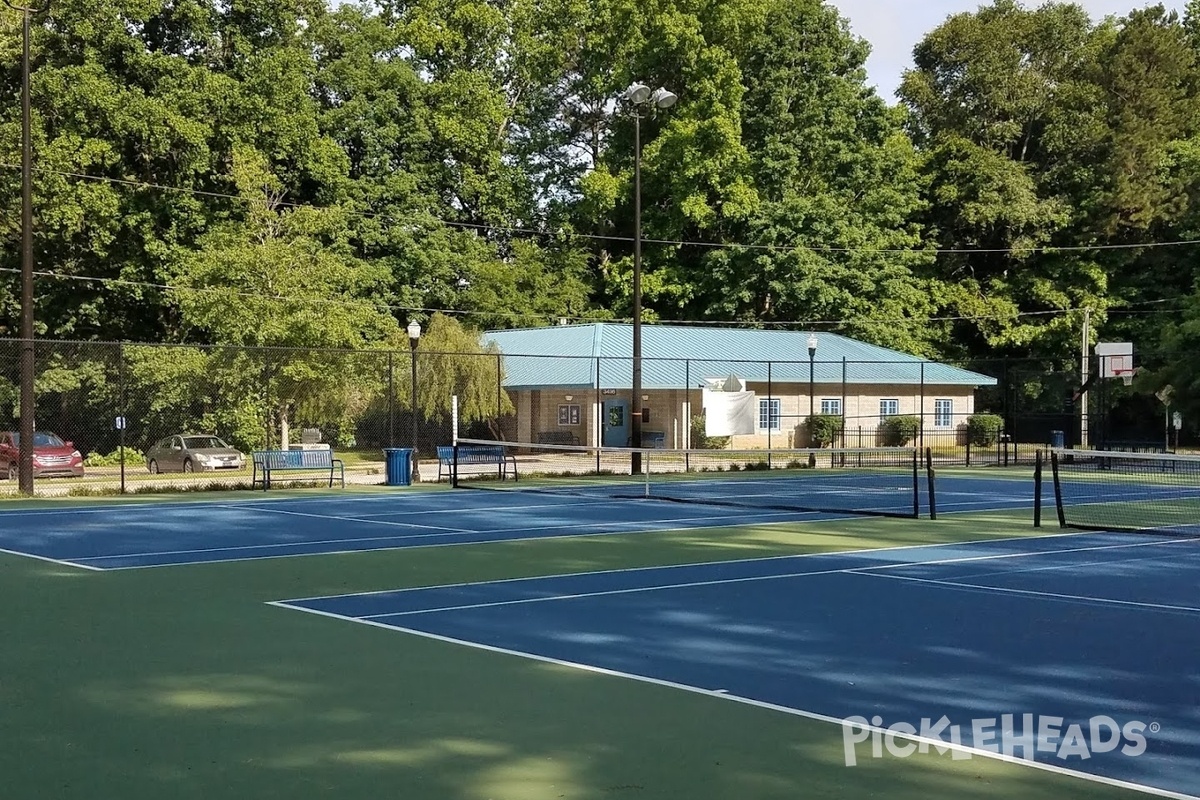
(269, 462)
(476, 454)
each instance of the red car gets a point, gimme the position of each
(51, 456)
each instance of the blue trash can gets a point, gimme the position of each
(1058, 440)
(399, 465)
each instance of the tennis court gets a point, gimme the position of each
(123, 535)
(1058, 627)
(544, 638)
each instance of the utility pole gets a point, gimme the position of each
(1084, 363)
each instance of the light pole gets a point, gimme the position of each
(414, 335)
(25, 458)
(640, 101)
(812, 354)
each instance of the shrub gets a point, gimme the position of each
(984, 429)
(113, 459)
(823, 429)
(899, 430)
(702, 442)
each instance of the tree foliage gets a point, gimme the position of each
(303, 174)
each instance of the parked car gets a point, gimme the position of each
(189, 452)
(52, 457)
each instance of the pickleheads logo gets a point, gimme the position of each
(1017, 736)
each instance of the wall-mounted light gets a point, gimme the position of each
(645, 397)
(569, 397)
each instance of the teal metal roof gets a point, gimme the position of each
(675, 356)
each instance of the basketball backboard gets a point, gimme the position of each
(1116, 360)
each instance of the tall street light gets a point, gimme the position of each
(414, 335)
(641, 103)
(25, 459)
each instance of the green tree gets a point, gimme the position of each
(287, 278)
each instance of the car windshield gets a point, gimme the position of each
(203, 443)
(40, 440)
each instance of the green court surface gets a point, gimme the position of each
(180, 682)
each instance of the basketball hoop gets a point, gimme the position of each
(1126, 376)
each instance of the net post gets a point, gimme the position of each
(454, 466)
(1058, 499)
(1037, 489)
(931, 479)
(646, 482)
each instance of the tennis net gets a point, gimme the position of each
(1113, 491)
(882, 481)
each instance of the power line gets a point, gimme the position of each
(513, 229)
(379, 305)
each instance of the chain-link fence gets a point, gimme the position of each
(118, 417)
(139, 417)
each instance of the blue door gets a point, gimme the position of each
(616, 423)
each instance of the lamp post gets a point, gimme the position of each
(812, 354)
(414, 335)
(641, 102)
(25, 458)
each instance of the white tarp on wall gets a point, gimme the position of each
(730, 412)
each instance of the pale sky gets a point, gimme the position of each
(893, 27)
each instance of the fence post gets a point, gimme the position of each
(843, 408)
(687, 401)
(391, 412)
(770, 421)
(121, 418)
(922, 434)
(599, 427)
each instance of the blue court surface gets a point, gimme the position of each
(1095, 630)
(120, 536)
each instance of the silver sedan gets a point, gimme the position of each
(187, 452)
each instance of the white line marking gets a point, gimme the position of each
(823, 554)
(49, 560)
(745, 579)
(473, 509)
(452, 532)
(724, 695)
(439, 544)
(1032, 593)
(346, 519)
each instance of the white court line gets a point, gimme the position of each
(1031, 593)
(451, 532)
(49, 560)
(583, 533)
(623, 570)
(721, 694)
(466, 509)
(351, 519)
(757, 578)
(156, 505)
(1174, 558)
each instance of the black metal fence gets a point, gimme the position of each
(113, 402)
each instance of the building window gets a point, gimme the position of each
(769, 412)
(943, 413)
(831, 406)
(568, 415)
(889, 408)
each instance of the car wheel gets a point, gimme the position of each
(187, 466)
(12, 472)
(153, 467)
